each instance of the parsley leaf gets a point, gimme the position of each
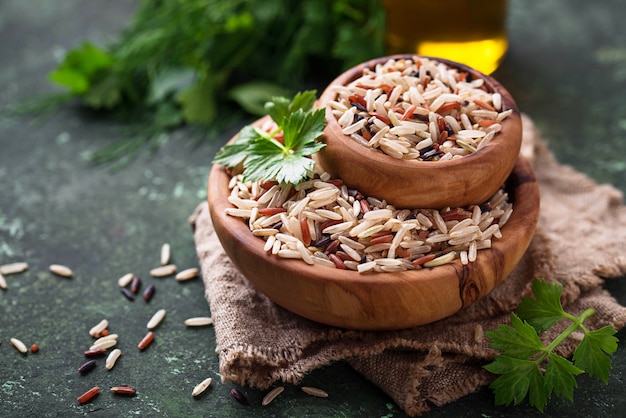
(283, 154)
(544, 311)
(528, 368)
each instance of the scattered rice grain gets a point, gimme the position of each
(314, 391)
(165, 254)
(156, 319)
(199, 321)
(112, 358)
(98, 328)
(271, 395)
(13, 268)
(61, 270)
(89, 395)
(125, 280)
(19, 345)
(201, 387)
(163, 271)
(187, 274)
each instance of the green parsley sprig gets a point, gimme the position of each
(528, 368)
(284, 154)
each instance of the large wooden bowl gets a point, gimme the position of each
(421, 184)
(378, 301)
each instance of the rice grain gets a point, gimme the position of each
(19, 345)
(187, 274)
(314, 391)
(163, 271)
(199, 321)
(156, 319)
(271, 395)
(61, 270)
(13, 268)
(201, 387)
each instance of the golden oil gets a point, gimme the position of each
(472, 32)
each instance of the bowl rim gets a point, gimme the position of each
(355, 148)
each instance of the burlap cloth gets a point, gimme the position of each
(580, 239)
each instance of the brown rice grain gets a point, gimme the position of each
(187, 274)
(163, 271)
(271, 395)
(61, 270)
(314, 391)
(479, 334)
(13, 268)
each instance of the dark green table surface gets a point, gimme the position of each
(566, 67)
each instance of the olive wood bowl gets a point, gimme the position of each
(377, 301)
(421, 184)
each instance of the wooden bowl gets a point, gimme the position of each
(421, 184)
(378, 301)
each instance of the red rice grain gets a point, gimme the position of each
(89, 395)
(146, 341)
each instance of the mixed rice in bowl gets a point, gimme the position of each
(329, 251)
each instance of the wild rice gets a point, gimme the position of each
(271, 395)
(156, 319)
(149, 292)
(422, 88)
(61, 270)
(19, 345)
(239, 397)
(355, 232)
(13, 268)
(87, 367)
(201, 387)
(135, 284)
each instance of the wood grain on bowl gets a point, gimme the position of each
(377, 301)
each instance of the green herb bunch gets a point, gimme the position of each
(282, 155)
(208, 62)
(527, 367)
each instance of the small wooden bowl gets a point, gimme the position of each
(378, 301)
(421, 184)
